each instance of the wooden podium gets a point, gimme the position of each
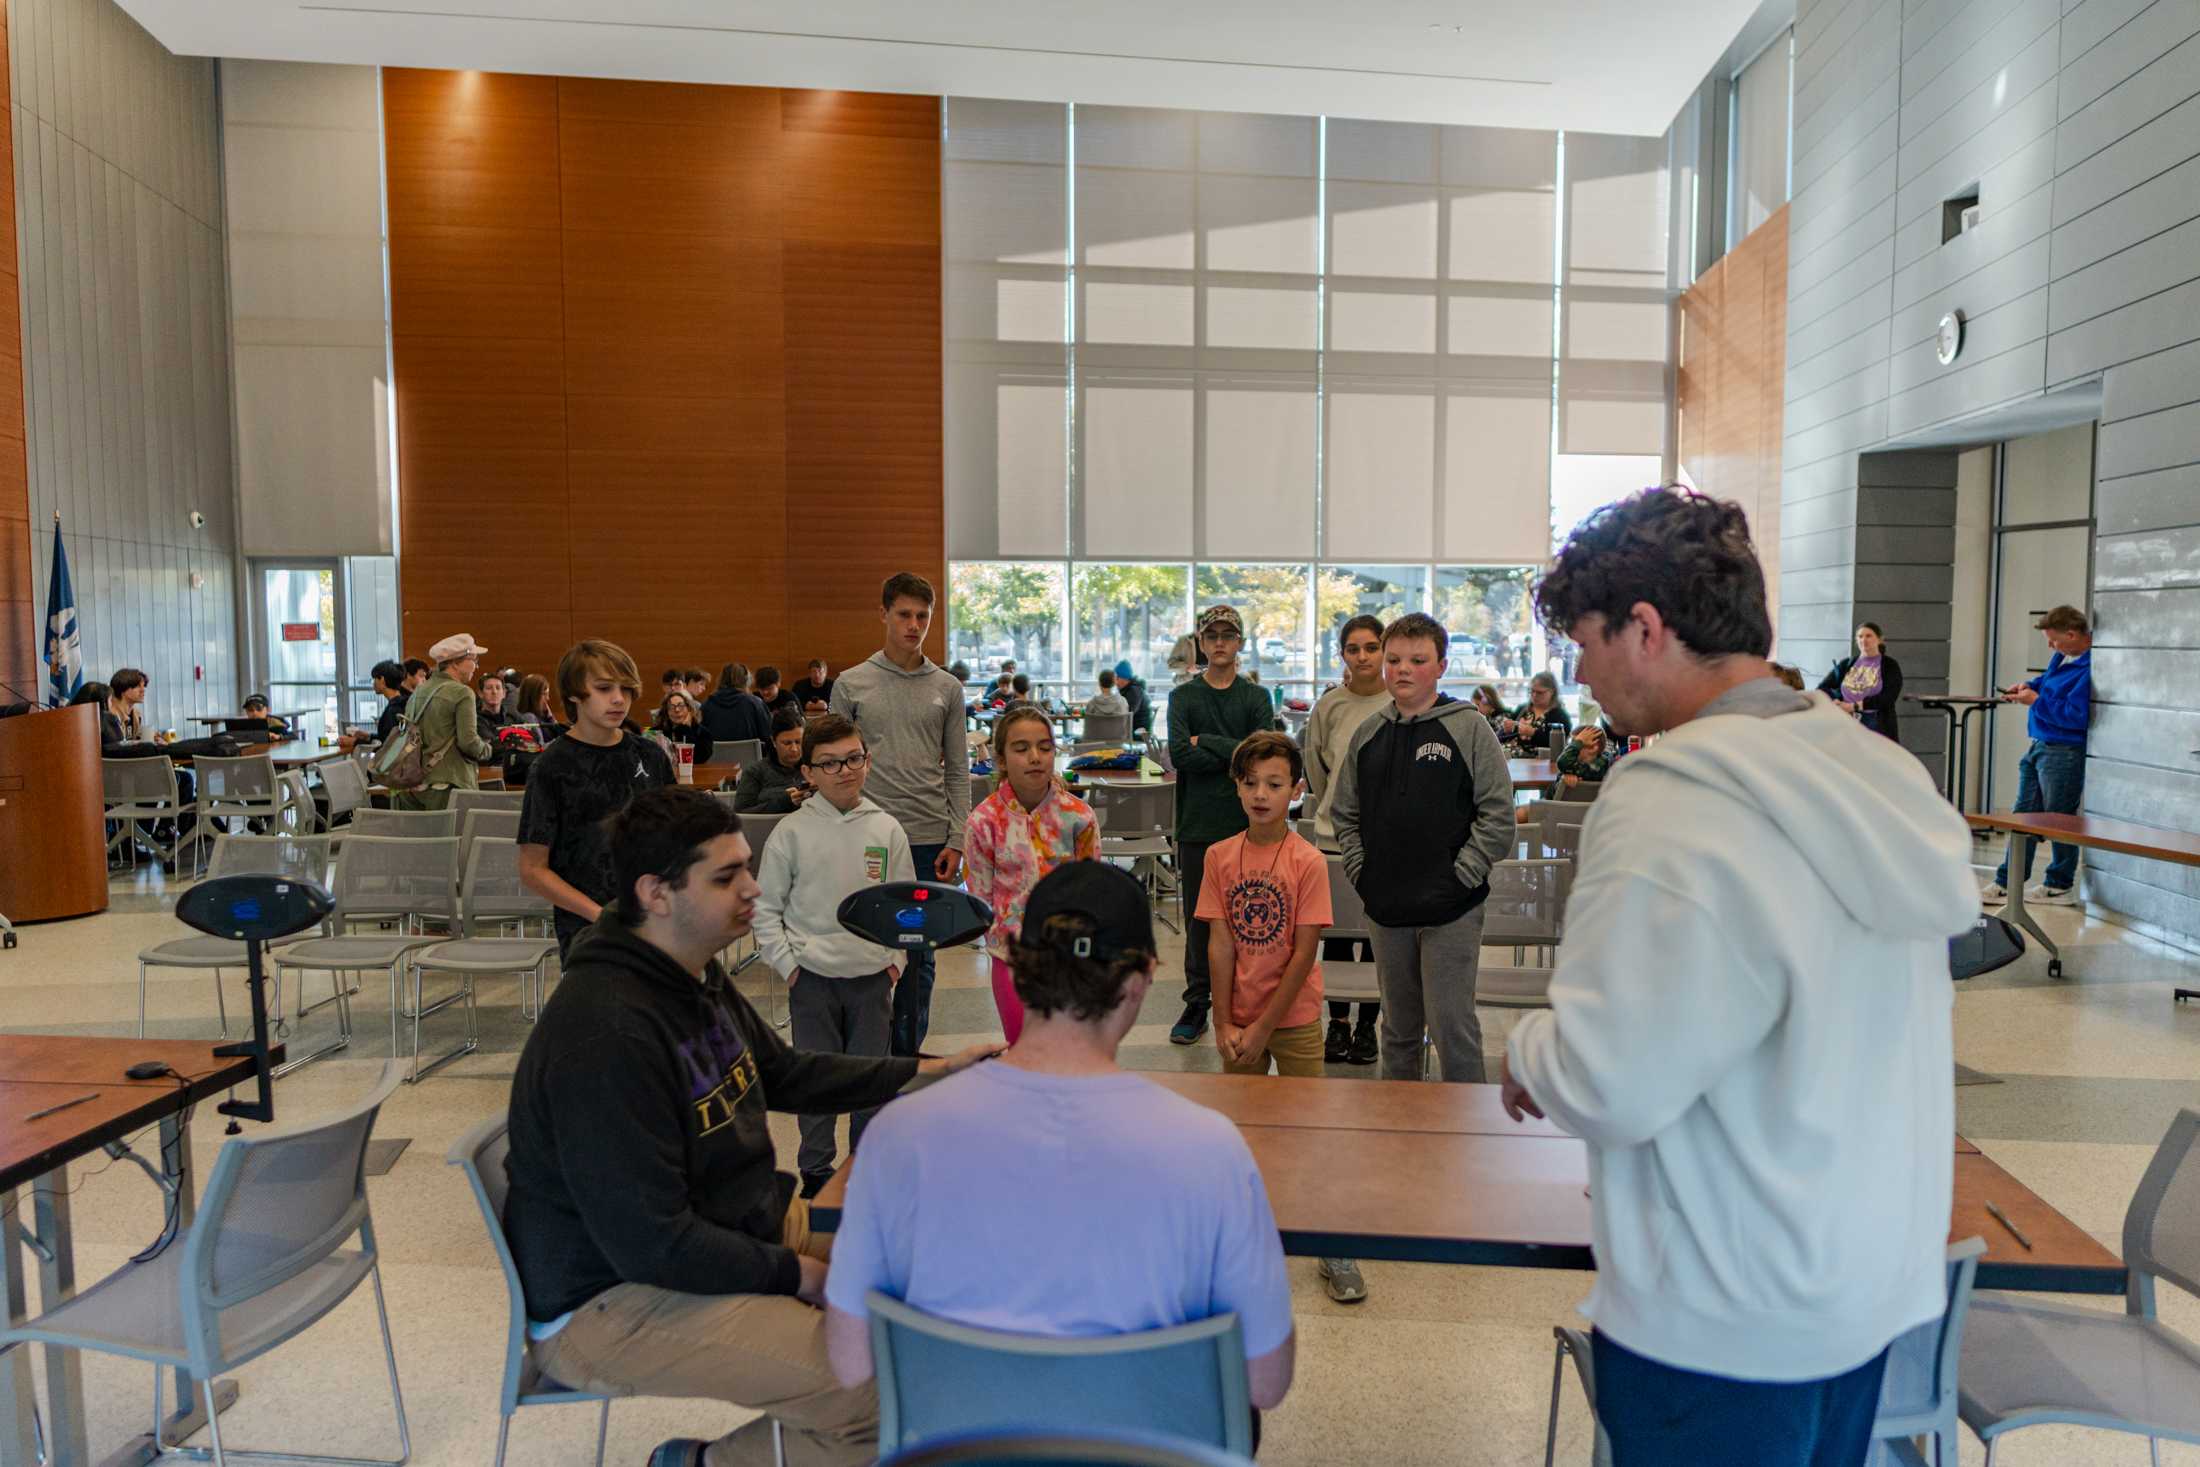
(53, 839)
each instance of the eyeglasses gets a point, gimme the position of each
(852, 763)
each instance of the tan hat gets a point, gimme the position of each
(452, 648)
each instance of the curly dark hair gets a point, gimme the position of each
(1050, 978)
(1685, 553)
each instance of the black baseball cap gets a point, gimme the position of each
(1106, 896)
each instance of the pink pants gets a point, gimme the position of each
(1004, 999)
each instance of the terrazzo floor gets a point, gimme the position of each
(1440, 1365)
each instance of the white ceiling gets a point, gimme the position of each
(1596, 65)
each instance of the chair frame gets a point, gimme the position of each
(465, 1154)
(221, 1002)
(134, 818)
(340, 920)
(427, 961)
(209, 808)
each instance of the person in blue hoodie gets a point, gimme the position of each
(2051, 775)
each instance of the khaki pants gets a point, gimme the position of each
(763, 1351)
(1296, 1051)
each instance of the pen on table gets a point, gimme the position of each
(1994, 1211)
(39, 1115)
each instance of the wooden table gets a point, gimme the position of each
(1532, 774)
(42, 1070)
(1419, 1173)
(2028, 830)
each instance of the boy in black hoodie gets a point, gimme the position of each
(1423, 810)
(660, 1251)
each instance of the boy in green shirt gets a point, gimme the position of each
(1207, 718)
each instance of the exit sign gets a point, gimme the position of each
(301, 631)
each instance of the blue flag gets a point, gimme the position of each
(64, 651)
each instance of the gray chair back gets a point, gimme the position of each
(1065, 1449)
(296, 857)
(139, 789)
(1527, 903)
(1107, 728)
(496, 825)
(464, 802)
(2162, 1225)
(1347, 914)
(1554, 832)
(244, 786)
(346, 785)
(759, 828)
(492, 893)
(395, 877)
(1917, 1396)
(936, 1377)
(480, 1154)
(405, 824)
(1580, 794)
(743, 752)
(1131, 811)
(277, 1204)
(981, 789)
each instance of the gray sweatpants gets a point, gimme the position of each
(837, 1016)
(1426, 975)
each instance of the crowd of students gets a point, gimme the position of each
(1753, 1263)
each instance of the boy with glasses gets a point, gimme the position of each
(839, 985)
(1207, 717)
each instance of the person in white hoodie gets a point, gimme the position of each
(1750, 1015)
(839, 986)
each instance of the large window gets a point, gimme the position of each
(1129, 613)
(1008, 611)
(1385, 592)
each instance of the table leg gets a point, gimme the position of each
(18, 1400)
(66, 1441)
(1950, 789)
(1963, 763)
(2020, 865)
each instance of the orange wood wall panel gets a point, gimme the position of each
(675, 351)
(20, 616)
(1731, 382)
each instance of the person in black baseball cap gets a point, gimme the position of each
(1053, 1188)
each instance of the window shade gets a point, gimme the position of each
(1611, 374)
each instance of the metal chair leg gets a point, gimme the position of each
(1558, 1380)
(603, 1430)
(141, 1000)
(504, 1434)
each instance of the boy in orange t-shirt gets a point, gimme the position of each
(1266, 901)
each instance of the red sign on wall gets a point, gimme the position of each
(301, 631)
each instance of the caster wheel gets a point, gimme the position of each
(7, 939)
(2054, 967)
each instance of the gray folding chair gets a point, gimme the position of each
(299, 857)
(981, 789)
(1137, 823)
(300, 814)
(464, 802)
(490, 895)
(743, 752)
(345, 783)
(936, 1377)
(1553, 830)
(480, 1153)
(1917, 1397)
(1106, 728)
(264, 1259)
(234, 790)
(2027, 1363)
(138, 793)
(406, 883)
(404, 824)
(1064, 1449)
(758, 828)
(487, 824)
(1348, 982)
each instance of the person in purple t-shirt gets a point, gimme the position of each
(1055, 1193)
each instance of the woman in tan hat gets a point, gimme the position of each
(446, 712)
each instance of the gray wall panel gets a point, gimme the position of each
(2015, 70)
(2156, 89)
(126, 356)
(2122, 54)
(2156, 558)
(2157, 441)
(2168, 259)
(2087, 25)
(2148, 677)
(1996, 282)
(2162, 202)
(2021, 322)
(2140, 619)
(2149, 908)
(2131, 160)
(2161, 738)
(2161, 500)
(2000, 233)
(2165, 797)
(2140, 329)
(1970, 386)
(1981, 37)
(1842, 359)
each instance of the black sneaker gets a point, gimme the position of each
(1193, 1024)
(1337, 1043)
(1365, 1047)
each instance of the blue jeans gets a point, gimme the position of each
(1662, 1416)
(2050, 781)
(913, 994)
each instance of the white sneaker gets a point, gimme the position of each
(2051, 896)
(1993, 891)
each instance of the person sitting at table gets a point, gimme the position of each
(772, 695)
(1054, 1192)
(126, 695)
(1107, 703)
(1527, 728)
(1134, 691)
(773, 785)
(1868, 685)
(446, 713)
(681, 721)
(814, 694)
(256, 721)
(496, 711)
(534, 705)
(1749, 1019)
(659, 1250)
(389, 685)
(1487, 703)
(417, 671)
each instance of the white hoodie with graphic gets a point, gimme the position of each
(1749, 1025)
(817, 857)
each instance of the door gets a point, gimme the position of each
(301, 646)
(2044, 559)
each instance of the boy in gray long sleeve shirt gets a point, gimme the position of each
(1423, 810)
(911, 713)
